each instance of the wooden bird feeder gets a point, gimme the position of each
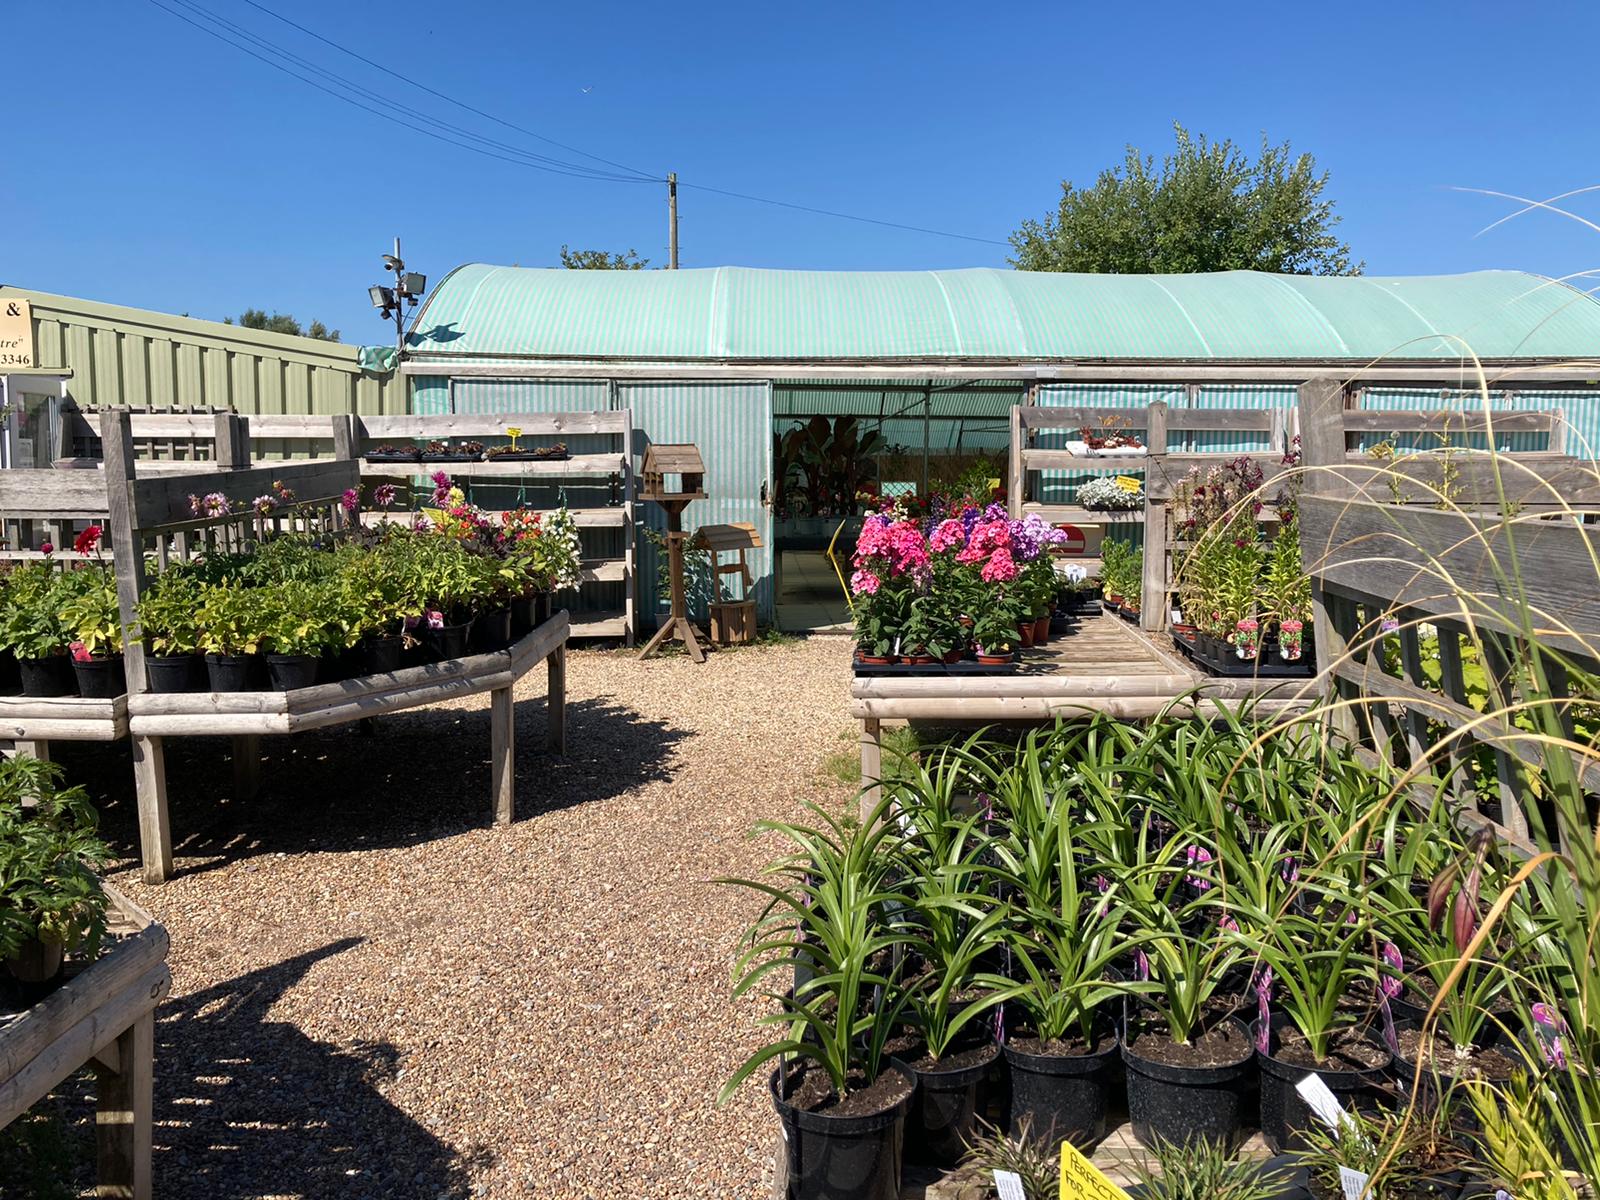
(733, 620)
(674, 477)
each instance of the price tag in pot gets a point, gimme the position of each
(1354, 1184)
(1009, 1185)
(1322, 1102)
(1082, 1180)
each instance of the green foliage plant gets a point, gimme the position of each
(50, 849)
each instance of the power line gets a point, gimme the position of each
(514, 154)
(340, 81)
(462, 104)
(525, 161)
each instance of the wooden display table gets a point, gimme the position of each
(104, 1017)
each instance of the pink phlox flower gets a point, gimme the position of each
(1000, 568)
(865, 583)
(949, 533)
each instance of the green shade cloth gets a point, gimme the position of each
(740, 314)
(379, 360)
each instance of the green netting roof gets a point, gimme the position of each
(737, 313)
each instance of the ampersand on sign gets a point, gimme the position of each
(12, 310)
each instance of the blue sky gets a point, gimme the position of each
(148, 164)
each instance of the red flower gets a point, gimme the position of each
(86, 541)
(46, 548)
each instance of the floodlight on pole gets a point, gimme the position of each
(393, 301)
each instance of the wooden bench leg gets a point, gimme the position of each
(502, 756)
(150, 785)
(246, 766)
(871, 765)
(32, 749)
(556, 700)
(123, 1117)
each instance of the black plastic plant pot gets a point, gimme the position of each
(545, 605)
(1284, 1115)
(50, 676)
(524, 615)
(492, 630)
(381, 654)
(1179, 1103)
(290, 671)
(841, 1158)
(101, 678)
(943, 1116)
(235, 673)
(448, 641)
(175, 672)
(1063, 1097)
(10, 673)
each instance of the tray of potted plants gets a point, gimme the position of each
(60, 632)
(298, 610)
(393, 452)
(953, 591)
(511, 452)
(1107, 442)
(443, 451)
(1112, 493)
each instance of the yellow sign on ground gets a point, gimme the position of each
(16, 335)
(1082, 1180)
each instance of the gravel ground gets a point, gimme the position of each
(377, 994)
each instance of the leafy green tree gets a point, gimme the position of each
(1208, 207)
(602, 260)
(256, 318)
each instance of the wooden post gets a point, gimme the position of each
(1322, 437)
(150, 787)
(1452, 680)
(36, 748)
(1018, 478)
(556, 699)
(232, 441)
(1155, 589)
(871, 765)
(502, 755)
(124, 1121)
(246, 765)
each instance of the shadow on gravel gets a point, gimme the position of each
(416, 777)
(248, 1107)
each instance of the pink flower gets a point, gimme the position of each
(80, 652)
(47, 548)
(351, 500)
(865, 583)
(435, 618)
(1000, 568)
(949, 533)
(383, 495)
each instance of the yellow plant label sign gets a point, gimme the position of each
(1082, 1180)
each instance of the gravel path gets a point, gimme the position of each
(377, 995)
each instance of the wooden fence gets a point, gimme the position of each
(1439, 580)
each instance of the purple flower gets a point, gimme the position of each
(1141, 966)
(1291, 869)
(1549, 1026)
(1389, 982)
(383, 495)
(1198, 856)
(1227, 924)
(1389, 625)
(351, 500)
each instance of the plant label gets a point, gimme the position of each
(1009, 1185)
(1177, 616)
(1322, 1102)
(1354, 1184)
(1082, 1180)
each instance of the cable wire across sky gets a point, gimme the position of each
(339, 87)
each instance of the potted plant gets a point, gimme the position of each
(391, 452)
(1247, 638)
(30, 626)
(994, 632)
(93, 619)
(295, 632)
(50, 899)
(168, 624)
(954, 928)
(841, 1099)
(1203, 1170)
(921, 640)
(232, 621)
(1386, 1156)
(1064, 935)
(1187, 1066)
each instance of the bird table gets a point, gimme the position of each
(674, 477)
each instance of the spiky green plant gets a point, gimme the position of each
(1205, 1170)
(1030, 1159)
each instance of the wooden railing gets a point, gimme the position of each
(1438, 581)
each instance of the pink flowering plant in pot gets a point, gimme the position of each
(1246, 638)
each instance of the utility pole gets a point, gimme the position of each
(672, 220)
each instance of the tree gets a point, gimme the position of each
(255, 318)
(1208, 208)
(601, 260)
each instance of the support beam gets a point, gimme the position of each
(150, 786)
(124, 1121)
(246, 766)
(871, 765)
(556, 699)
(502, 755)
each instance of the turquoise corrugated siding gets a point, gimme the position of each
(1061, 487)
(1243, 395)
(731, 423)
(721, 313)
(430, 395)
(1582, 409)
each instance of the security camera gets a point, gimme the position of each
(391, 263)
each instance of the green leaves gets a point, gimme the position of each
(49, 851)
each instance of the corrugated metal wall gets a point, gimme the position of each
(130, 356)
(1582, 410)
(731, 423)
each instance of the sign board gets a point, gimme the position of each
(1082, 1180)
(16, 336)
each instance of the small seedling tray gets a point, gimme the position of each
(451, 457)
(1234, 667)
(528, 456)
(394, 458)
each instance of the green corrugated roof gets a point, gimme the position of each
(741, 314)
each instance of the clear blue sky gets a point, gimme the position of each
(146, 163)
